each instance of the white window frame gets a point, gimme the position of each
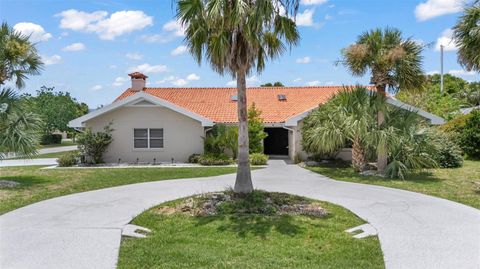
(148, 148)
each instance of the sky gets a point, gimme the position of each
(90, 46)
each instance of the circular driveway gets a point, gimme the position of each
(84, 230)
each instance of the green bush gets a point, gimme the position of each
(49, 139)
(214, 159)
(470, 135)
(446, 152)
(258, 159)
(93, 145)
(68, 159)
(194, 158)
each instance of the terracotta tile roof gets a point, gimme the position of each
(216, 104)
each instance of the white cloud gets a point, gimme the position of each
(297, 80)
(433, 72)
(147, 68)
(461, 72)
(253, 80)
(134, 56)
(96, 88)
(329, 83)
(112, 66)
(434, 8)
(179, 82)
(35, 31)
(446, 39)
(179, 50)
(193, 77)
(305, 18)
(175, 27)
(49, 60)
(313, 83)
(119, 81)
(312, 2)
(74, 47)
(303, 60)
(107, 28)
(167, 79)
(171, 30)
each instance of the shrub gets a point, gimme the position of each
(470, 135)
(93, 145)
(258, 159)
(49, 139)
(256, 132)
(194, 158)
(446, 152)
(214, 159)
(68, 159)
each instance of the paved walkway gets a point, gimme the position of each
(28, 162)
(84, 230)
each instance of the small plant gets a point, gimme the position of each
(93, 145)
(470, 136)
(446, 152)
(68, 159)
(49, 139)
(297, 158)
(194, 158)
(258, 159)
(214, 159)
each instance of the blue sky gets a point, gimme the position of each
(90, 46)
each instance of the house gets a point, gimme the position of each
(468, 110)
(168, 124)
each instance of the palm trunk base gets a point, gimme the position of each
(243, 182)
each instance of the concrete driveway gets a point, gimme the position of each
(84, 230)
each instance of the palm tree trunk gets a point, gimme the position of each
(358, 156)
(382, 157)
(243, 182)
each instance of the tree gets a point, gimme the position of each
(347, 117)
(466, 34)
(451, 84)
(470, 135)
(276, 84)
(256, 132)
(18, 56)
(393, 62)
(56, 108)
(19, 128)
(237, 37)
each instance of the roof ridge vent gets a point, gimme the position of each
(282, 97)
(234, 98)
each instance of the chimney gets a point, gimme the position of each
(138, 81)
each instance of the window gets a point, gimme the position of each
(145, 138)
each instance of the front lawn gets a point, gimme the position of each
(456, 184)
(238, 237)
(36, 184)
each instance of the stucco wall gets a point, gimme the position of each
(182, 135)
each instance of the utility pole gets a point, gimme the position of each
(441, 68)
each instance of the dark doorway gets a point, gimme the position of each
(276, 142)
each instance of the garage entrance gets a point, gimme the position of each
(276, 142)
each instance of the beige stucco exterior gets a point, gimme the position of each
(182, 134)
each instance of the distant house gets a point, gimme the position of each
(169, 123)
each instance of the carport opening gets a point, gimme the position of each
(276, 143)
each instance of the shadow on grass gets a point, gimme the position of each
(25, 181)
(261, 225)
(253, 224)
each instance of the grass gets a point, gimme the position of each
(64, 143)
(37, 185)
(456, 184)
(247, 240)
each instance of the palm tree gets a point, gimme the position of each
(19, 129)
(466, 34)
(236, 37)
(347, 118)
(18, 56)
(393, 62)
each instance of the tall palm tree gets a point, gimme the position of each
(393, 62)
(347, 118)
(19, 129)
(236, 37)
(466, 34)
(18, 56)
